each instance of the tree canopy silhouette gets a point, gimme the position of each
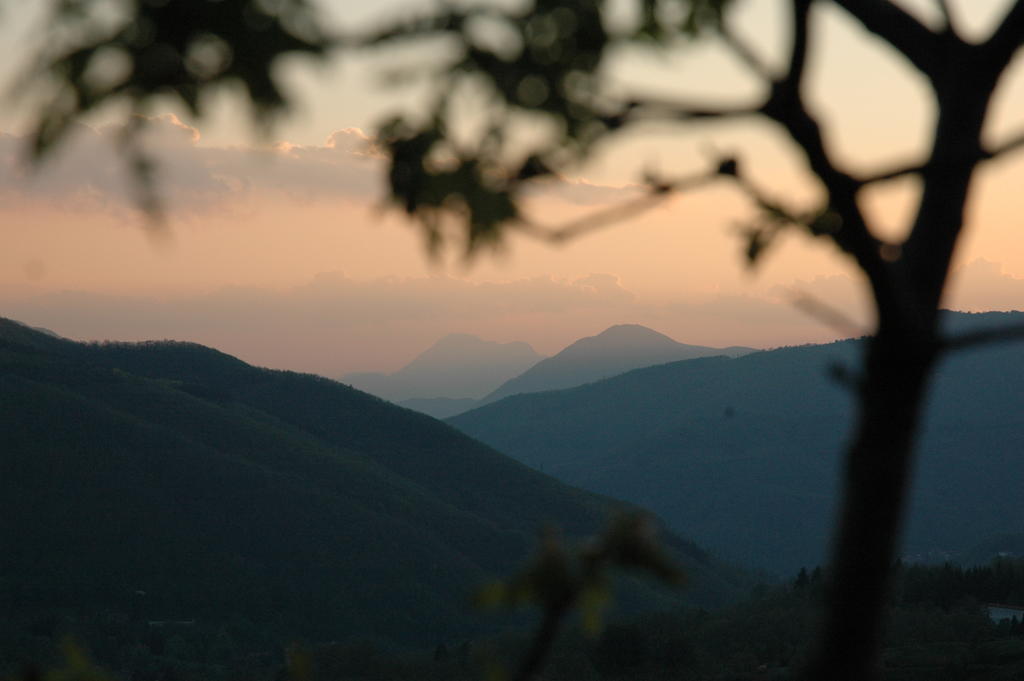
(543, 63)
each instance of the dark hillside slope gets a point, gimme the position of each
(227, 492)
(742, 454)
(439, 407)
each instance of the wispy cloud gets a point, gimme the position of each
(89, 170)
(983, 285)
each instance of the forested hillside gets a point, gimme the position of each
(170, 482)
(743, 454)
(940, 629)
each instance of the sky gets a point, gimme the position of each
(280, 250)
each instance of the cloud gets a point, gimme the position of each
(88, 170)
(982, 285)
(580, 192)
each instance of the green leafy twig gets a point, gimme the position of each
(560, 579)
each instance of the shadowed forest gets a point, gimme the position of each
(939, 628)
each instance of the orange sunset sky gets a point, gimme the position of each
(278, 251)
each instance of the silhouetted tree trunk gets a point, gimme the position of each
(908, 282)
(877, 478)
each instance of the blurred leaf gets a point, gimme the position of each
(826, 223)
(542, 60)
(77, 666)
(492, 595)
(175, 47)
(631, 542)
(594, 600)
(299, 663)
(495, 672)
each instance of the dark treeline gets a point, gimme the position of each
(1000, 582)
(939, 628)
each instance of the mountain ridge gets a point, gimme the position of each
(745, 452)
(456, 366)
(617, 349)
(222, 490)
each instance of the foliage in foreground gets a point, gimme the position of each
(939, 628)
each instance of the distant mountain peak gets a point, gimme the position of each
(458, 365)
(461, 338)
(635, 334)
(460, 342)
(627, 328)
(615, 350)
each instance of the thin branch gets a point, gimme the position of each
(416, 26)
(1007, 38)
(798, 52)
(535, 658)
(1010, 145)
(828, 315)
(590, 223)
(786, 107)
(745, 53)
(658, 193)
(647, 109)
(769, 205)
(894, 173)
(1015, 143)
(1003, 334)
(947, 15)
(899, 28)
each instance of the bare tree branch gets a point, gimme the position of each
(656, 194)
(1007, 38)
(947, 15)
(411, 27)
(768, 204)
(745, 53)
(798, 51)
(1003, 334)
(894, 173)
(642, 109)
(540, 647)
(899, 28)
(825, 313)
(1011, 145)
(787, 108)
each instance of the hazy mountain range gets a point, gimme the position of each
(172, 481)
(615, 350)
(743, 453)
(439, 381)
(457, 366)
